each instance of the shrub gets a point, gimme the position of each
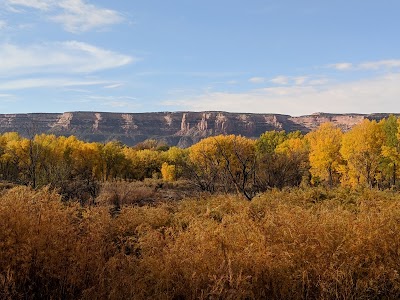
(292, 244)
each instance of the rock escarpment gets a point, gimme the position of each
(175, 128)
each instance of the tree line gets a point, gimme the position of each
(367, 155)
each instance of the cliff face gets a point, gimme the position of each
(175, 128)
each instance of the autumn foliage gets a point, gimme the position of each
(365, 156)
(105, 221)
(293, 244)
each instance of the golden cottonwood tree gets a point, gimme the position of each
(177, 159)
(226, 160)
(204, 166)
(324, 156)
(168, 172)
(294, 151)
(143, 163)
(10, 162)
(362, 149)
(112, 159)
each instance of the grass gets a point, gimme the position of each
(292, 244)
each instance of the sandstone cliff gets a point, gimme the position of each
(175, 128)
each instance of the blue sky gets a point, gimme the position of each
(289, 57)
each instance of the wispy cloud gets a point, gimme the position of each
(297, 80)
(113, 86)
(36, 4)
(283, 80)
(380, 94)
(376, 65)
(64, 57)
(74, 15)
(257, 80)
(300, 80)
(21, 84)
(80, 16)
(3, 24)
(6, 95)
(370, 65)
(341, 66)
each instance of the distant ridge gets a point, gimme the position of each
(175, 128)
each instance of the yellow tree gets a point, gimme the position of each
(142, 164)
(362, 149)
(324, 156)
(229, 160)
(112, 158)
(204, 166)
(168, 172)
(50, 160)
(293, 156)
(10, 160)
(176, 158)
(18, 152)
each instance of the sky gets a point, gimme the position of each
(294, 57)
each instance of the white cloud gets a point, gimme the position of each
(113, 86)
(36, 4)
(257, 80)
(80, 16)
(300, 80)
(370, 65)
(3, 24)
(380, 94)
(341, 66)
(30, 83)
(65, 57)
(232, 82)
(74, 15)
(376, 65)
(318, 81)
(282, 80)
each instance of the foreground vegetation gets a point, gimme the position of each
(290, 244)
(100, 221)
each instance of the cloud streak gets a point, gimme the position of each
(114, 86)
(382, 64)
(60, 57)
(80, 16)
(371, 65)
(36, 4)
(257, 80)
(74, 15)
(31, 83)
(282, 80)
(3, 24)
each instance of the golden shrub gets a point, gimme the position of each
(293, 244)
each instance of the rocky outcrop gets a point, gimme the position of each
(175, 128)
